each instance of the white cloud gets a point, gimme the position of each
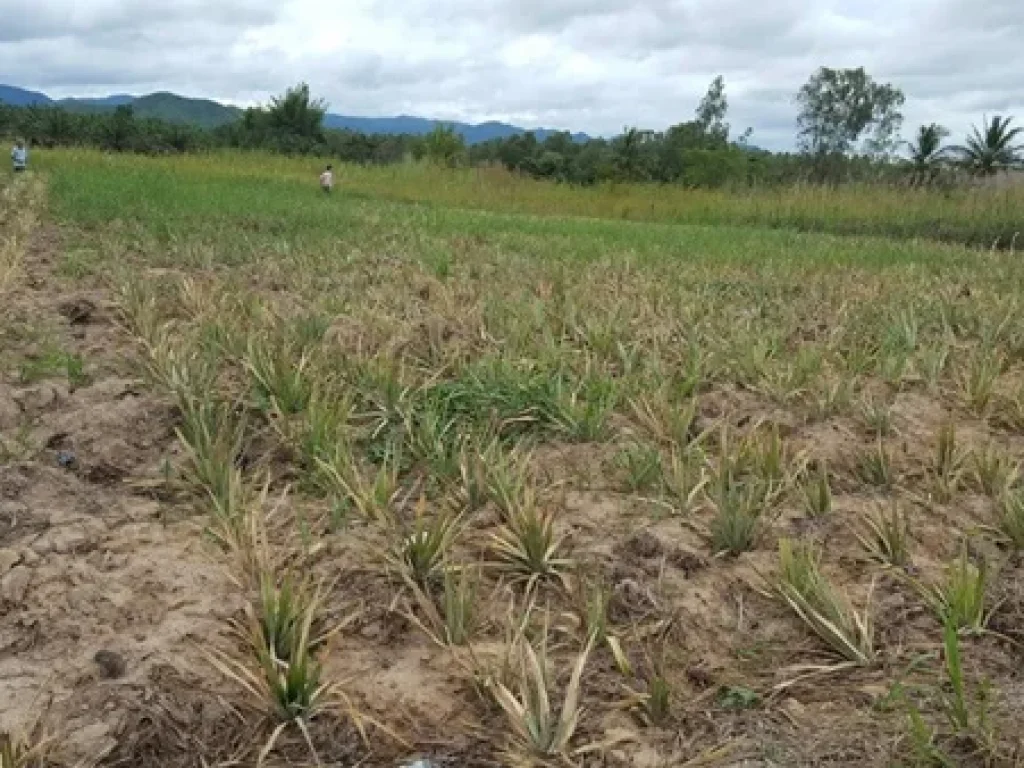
(594, 65)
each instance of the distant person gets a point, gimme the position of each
(19, 156)
(327, 179)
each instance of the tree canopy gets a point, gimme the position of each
(992, 148)
(845, 110)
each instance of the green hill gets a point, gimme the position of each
(163, 105)
(178, 109)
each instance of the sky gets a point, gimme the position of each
(583, 65)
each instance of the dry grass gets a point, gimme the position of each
(19, 203)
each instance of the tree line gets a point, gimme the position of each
(848, 130)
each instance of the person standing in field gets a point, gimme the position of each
(327, 179)
(19, 156)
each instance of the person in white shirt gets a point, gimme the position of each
(19, 156)
(327, 179)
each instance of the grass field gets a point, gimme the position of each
(491, 472)
(975, 216)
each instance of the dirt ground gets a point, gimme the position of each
(110, 595)
(106, 592)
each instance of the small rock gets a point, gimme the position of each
(112, 665)
(67, 459)
(8, 559)
(700, 676)
(14, 585)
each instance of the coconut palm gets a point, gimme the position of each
(992, 149)
(926, 151)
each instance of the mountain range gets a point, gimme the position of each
(209, 114)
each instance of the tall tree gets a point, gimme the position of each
(297, 113)
(926, 151)
(712, 111)
(629, 151)
(120, 128)
(444, 146)
(845, 110)
(992, 149)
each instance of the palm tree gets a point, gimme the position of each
(992, 149)
(926, 151)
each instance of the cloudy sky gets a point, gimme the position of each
(591, 65)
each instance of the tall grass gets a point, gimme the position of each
(971, 215)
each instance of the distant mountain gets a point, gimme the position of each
(209, 114)
(180, 109)
(165, 106)
(420, 126)
(19, 97)
(99, 102)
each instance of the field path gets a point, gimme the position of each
(102, 583)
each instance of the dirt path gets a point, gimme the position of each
(103, 586)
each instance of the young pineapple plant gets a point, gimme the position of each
(323, 432)
(474, 457)
(582, 412)
(884, 536)
(967, 728)
(740, 506)
(1011, 518)
(279, 372)
(772, 463)
(961, 600)
(828, 613)
(432, 439)
(373, 499)
(540, 730)
(876, 416)
(590, 601)
(283, 674)
(875, 467)
(642, 467)
(994, 471)
(508, 480)
(212, 436)
(686, 477)
(650, 698)
(978, 380)
(458, 605)
(423, 547)
(452, 619)
(817, 493)
(528, 548)
(949, 465)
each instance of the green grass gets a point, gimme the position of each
(242, 201)
(54, 362)
(973, 216)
